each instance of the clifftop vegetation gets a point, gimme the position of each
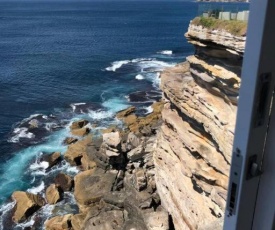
(233, 26)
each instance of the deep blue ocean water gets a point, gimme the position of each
(64, 60)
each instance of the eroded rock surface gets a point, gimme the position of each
(194, 145)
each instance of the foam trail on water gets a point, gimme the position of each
(14, 170)
(100, 114)
(166, 52)
(116, 65)
(38, 189)
(4, 209)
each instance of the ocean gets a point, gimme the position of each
(65, 60)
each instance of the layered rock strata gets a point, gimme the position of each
(194, 145)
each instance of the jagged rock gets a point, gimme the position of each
(79, 124)
(52, 158)
(157, 220)
(75, 151)
(133, 140)
(203, 35)
(59, 223)
(26, 205)
(87, 163)
(126, 112)
(77, 221)
(134, 224)
(193, 148)
(64, 181)
(112, 139)
(140, 181)
(136, 153)
(70, 140)
(78, 128)
(91, 186)
(54, 194)
(115, 198)
(80, 132)
(105, 220)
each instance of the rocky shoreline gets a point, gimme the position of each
(163, 171)
(115, 188)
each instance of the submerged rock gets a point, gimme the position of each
(26, 205)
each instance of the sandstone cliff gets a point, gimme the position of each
(193, 152)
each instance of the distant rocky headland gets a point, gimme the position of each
(163, 171)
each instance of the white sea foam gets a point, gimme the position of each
(21, 133)
(166, 52)
(3, 210)
(99, 114)
(154, 65)
(139, 77)
(39, 165)
(143, 63)
(27, 223)
(149, 109)
(116, 65)
(76, 104)
(38, 189)
(141, 59)
(7, 207)
(73, 170)
(50, 125)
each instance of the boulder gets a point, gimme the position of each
(65, 182)
(75, 151)
(54, 194)
(92, 185)
(77, 221)
(136, 154)
(52, 158)
(78, 128)
(139, 178)
(87, 162)
(70, 140)
(126, 112)
(80, 132)
(133, 140)
(26, 205)
(79, 124)
(59, 223)
(112, 139)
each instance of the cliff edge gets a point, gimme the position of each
(193, 152)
